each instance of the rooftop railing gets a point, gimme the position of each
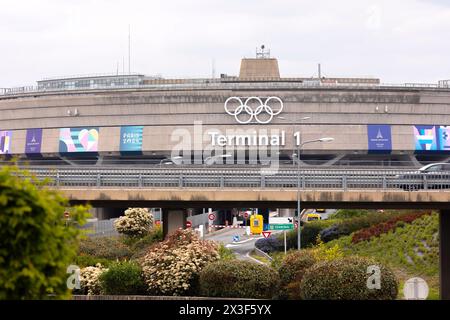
(197, 85)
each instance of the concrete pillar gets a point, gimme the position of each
(173, 219)
(444, 253)
(265, 213)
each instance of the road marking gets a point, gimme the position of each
(251, 258)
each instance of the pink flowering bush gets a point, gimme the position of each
(136, 222)
(172, 267)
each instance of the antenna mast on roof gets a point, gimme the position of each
(129, 49)
(262, 53)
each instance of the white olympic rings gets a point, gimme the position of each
(262, 108)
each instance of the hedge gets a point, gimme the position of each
(291, 273)
(385, 227)
(123, 278)
(348, 226)
(238, 279)
(346, 279)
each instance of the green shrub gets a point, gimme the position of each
(346, 279)
(238, 279)
(225, 253)
(350, 213)
(37, 244)
(141, 246)
(310, 231)
(123, 278)
(348, 226)
(291, 272)
(89, 261)
(111, 248)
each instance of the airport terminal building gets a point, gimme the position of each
(135, 119)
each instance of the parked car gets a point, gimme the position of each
(431, 176)
(312, 217)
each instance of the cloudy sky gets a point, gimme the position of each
(397, 41)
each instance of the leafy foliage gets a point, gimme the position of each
(225, 253)
(111, 248)
(350, 213)
(348, 226)
(136, 222)
(238, 279)
(413, 247)
(384, 227)
(172, 267)
(292, 270)
(37, 243)
(346, 279)
(123, 278)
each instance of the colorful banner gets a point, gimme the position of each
(78, 140)
(131, 139)
(379, 138)
(5, 142)
(33, 141)
(432, 138)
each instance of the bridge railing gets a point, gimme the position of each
(240, 178)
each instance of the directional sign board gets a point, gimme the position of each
(281, 223)
(281, 220)
(287, 226)
(236, 238)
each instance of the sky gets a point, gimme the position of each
(401, 41)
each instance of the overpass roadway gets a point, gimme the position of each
(231, 187)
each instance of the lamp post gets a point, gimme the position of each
(213, 158)
(300, 145)
(170, 160)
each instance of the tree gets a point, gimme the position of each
(38, 243)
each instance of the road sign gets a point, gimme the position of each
(281, 220)
(188, 224)
(266, 234)
(287, 226)
(212, 216)
(246, 215)
(236, 238)
(415, 289)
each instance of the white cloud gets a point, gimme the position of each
(398, 41)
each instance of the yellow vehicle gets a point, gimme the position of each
(313, 217)
(256, 224)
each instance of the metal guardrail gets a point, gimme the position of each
(305, 179)
(226, 85)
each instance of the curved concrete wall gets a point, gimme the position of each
(342, 114)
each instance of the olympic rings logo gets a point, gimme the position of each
(262, 108)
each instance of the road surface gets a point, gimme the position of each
(241, 248)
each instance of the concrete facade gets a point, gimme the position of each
(340, 113)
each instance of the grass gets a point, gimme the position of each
(411, 251)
